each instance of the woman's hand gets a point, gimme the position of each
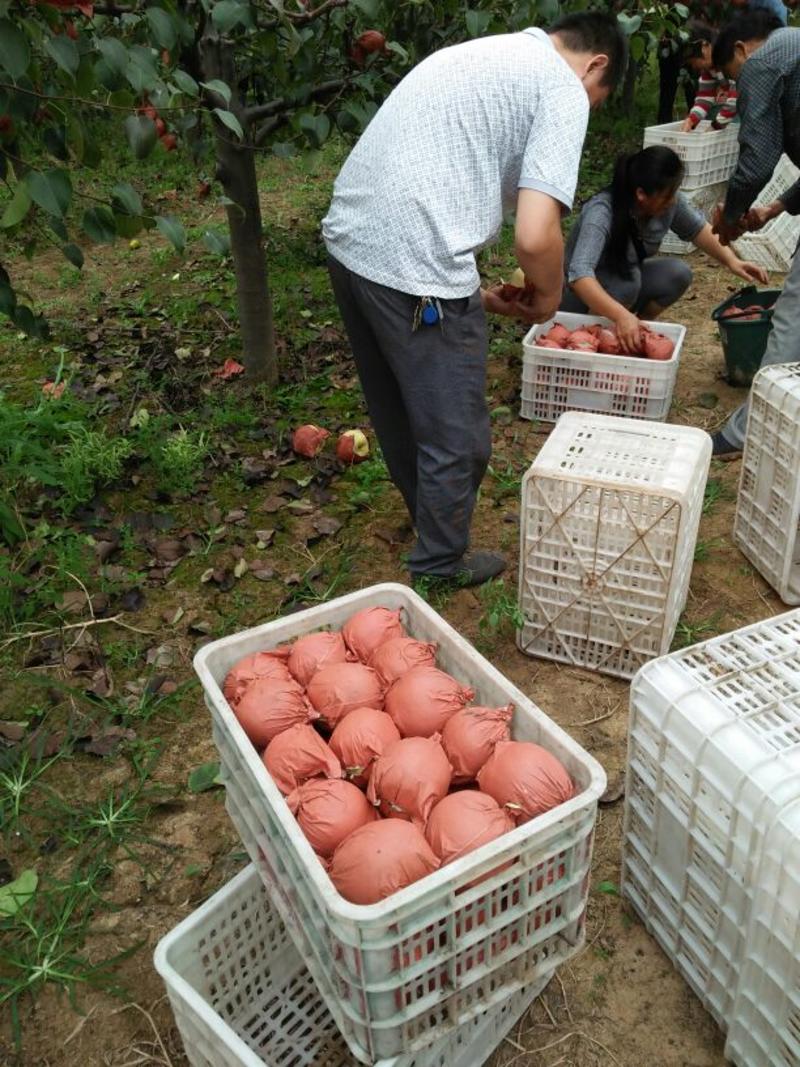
(531, 306)
(629, 331)
(751, 272)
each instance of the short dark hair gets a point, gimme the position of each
(599, 33)
(698, 35)
(752, 26)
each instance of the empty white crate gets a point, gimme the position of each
(555, 380)
(708, 157)
(242, 997)
(399, 975)
(705, 200)
(765, 1028)
(610, 511)
(773, 247)
(713, 759)
(768, 505)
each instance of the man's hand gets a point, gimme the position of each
(531, 306)
(758, 217)
(726, 231)
(629, 331)
(751, 272)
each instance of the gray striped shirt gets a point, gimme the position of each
(769, 109)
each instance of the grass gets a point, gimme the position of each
(715, 491)
(688, 632)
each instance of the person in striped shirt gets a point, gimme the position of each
(716, 95)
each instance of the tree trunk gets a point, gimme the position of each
(236, 169)
(629, 84)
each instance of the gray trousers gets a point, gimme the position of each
(783, 345)
(426, 396)
(663, 281)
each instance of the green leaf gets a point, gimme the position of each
(186, 83)
(114, 53)
(58, 227)
(218, 243)
(229, 13)
(229, 119)
(682, 10)
(18, 207)
(51, 190)
(65, 52)
(629, 23)
(15, 895)
(204, 777)
(76, 137)
(98, 222)
(173, 230)
(637, 47)
(478, 22)
(610, 889)
(141, 134)
(371, 8)
(141, 70)
(162, 27)
(129, 225)
(125, 199)
(73, 254)
(15, 53)
(216, 86)
(316, 127)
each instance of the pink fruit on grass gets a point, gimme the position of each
(308, 440)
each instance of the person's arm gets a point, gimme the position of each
(760, 144)
(539, 248)
(728, 110)
(707, 242)
(704, 98)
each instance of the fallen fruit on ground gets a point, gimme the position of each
(352, 447)
(308, 440)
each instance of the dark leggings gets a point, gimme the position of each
(669, 69)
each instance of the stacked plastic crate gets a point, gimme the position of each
(610, 513)
(711, 836)
(709, 159)
(774, 245)
(279, 968)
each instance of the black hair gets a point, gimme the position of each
(656, 169)
(599, 33)
(752, 26)
(698, 35)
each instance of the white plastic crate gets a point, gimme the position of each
(610, 511)
(713, 758)
(708, 156)
(774, 246)
(705, 200)
(765, 1028)
(555, 380)
(242, 997)
(398, 975)
(768, 505)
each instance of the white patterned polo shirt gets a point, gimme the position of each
(440, 163)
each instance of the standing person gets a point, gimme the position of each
(474, 131)
(765, 62)
(716, 97)
(612, 268)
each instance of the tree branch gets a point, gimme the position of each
(281, 104)
(302, 17)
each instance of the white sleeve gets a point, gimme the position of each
(553, 150)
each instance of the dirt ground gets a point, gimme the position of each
(617, 1003)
